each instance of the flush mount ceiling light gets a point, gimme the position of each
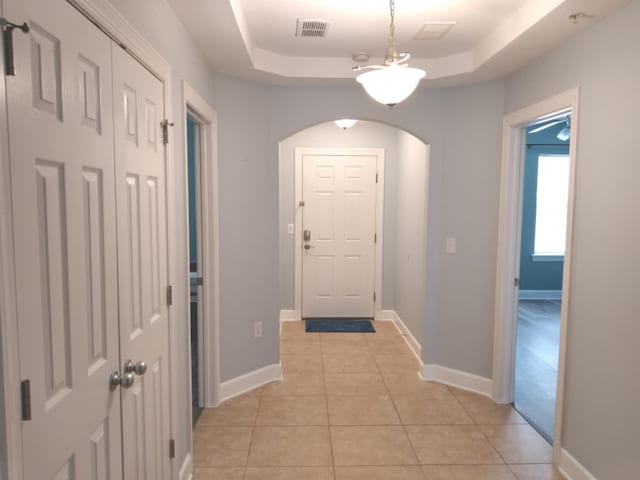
(394, 81)
(345, 123)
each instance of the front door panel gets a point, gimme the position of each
(338, 262)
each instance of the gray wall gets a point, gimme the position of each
(411, 232)
(362, 134)
(469, 198)
(602, 419)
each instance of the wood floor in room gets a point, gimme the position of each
(351, 407)
(537, 350)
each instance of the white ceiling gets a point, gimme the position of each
(491, 38)
(363, 25)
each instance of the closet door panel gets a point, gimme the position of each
(64, 223)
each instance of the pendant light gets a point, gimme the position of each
(394, 81)
(345, 123)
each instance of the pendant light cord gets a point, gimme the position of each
(392, 25)
(392, 54)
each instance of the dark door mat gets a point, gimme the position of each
(346, 325)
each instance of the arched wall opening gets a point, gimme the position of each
(404, 222)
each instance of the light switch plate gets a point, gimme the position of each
(290, 228)
(451, 245)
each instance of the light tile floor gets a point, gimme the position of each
(351, 407)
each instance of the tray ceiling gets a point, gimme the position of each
(485, 39)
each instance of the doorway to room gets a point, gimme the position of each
(542, 248)
(399, 206)
(194, 166)
(202, 267)
(562, 108)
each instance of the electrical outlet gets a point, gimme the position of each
(257, 329)
(451, 245)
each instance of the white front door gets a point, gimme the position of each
(142, 266)
(88, 182)
(338, 222)
(64, 225)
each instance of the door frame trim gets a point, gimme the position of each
(509, 233)
(197, 107)
(10, 406)
(379, 153)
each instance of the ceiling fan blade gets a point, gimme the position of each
(548, 125)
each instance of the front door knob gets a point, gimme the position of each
(139, 368)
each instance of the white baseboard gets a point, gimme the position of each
(540, 295)
(250, 381)
(572, 469)
(385, 315)
(457, 378)
(289, 316)
(186, 470)
(414, 345)
(437, 373)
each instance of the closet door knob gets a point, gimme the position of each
(139, 368)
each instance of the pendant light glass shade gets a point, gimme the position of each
(391, 84)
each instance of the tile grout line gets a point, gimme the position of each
(326, 403)
(478, 426)
(253, 432)
(395, 407)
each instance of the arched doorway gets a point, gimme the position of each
(402, 225)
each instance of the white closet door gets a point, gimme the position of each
(62, 180)
(142, 266)
(338, 264)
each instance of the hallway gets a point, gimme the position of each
(352, 407)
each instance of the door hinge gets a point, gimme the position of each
(516, 282)
(375, 238)
(169, 295)
(376, 178)
(374, 296)
(25, 393)
(7, 34)
(165, 124)
(172, 448)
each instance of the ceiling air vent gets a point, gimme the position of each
(312, 28)
(434, 30)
